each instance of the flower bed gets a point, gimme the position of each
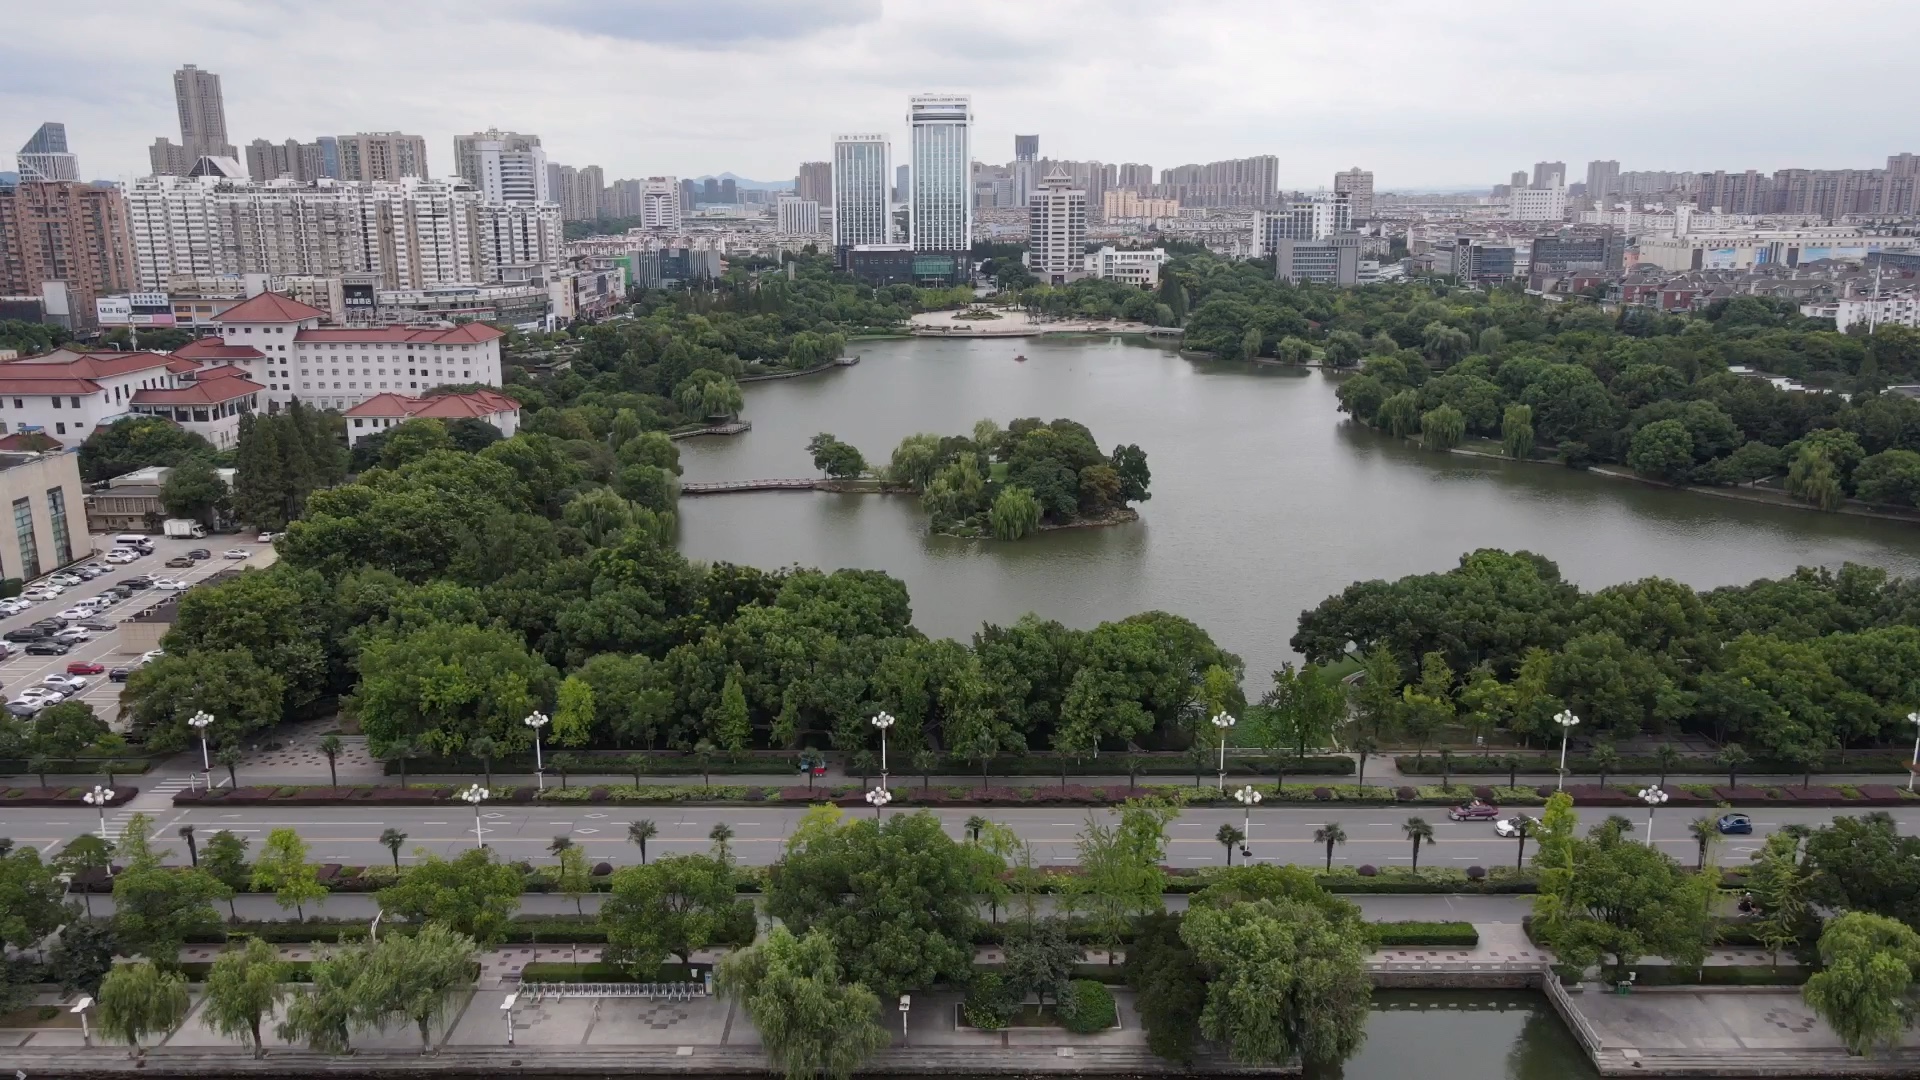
(60, 796)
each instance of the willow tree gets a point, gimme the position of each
(1813, 477)
(811, 1022)
(1442, 428)
(1015, 513)
(1399, 414)
(1516, 431)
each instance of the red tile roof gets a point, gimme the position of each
(9, 385)
(71, 364)
(269, 308)
(30, 442)
(204, 392)
(208, 348)
(472, 333)
(475, 404)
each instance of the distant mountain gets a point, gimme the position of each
(745, 184)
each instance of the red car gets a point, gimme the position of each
(1474, 811)
(85, 667)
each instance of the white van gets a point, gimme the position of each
(136, 541)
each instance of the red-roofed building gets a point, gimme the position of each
(331, 367)
(68, 393)
(383, 411)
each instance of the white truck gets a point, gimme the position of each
(185, 529)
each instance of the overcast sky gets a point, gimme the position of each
(1425, 93)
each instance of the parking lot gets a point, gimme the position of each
(20, 671)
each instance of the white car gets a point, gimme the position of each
(67, 580)
(42, 693)
(267, 537)
(149, 657)
(172, 584)
(1506, 827)
(73, 635)
(75, 614)
(65, 684)
(236, 553)
(14, 606)
(121, 556)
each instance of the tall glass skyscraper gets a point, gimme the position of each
(861, 174)
(940, 199)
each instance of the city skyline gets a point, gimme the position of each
(724, 103)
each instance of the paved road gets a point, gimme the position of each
(22, 671)
(351, 834)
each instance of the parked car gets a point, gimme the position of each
(169, 584)
(27, 633)
(121, 556)
(267, 537)
(47, 647)
(75, 614)
(65, 684)
(150, 656)
(43, 592)
(66, 581)
(13, 606)
(22, 710)
(123, 672)
(73, 635)
(86, 667)
(199, 553)
(42, 693)
(236, 553)
(1475, 811)
(51, 622)
(180, 562)
(1735, 824)
(136, 583)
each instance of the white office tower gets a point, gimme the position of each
(796, 217)
(940, 197)
(660, 203)
(512, 176)
(862, 173)
(1057, 230)
(45, 157)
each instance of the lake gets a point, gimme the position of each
(1265, 498)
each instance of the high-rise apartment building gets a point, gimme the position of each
(796, 217)
(203, 114)
(862, 169)
(45, 157)
(1357, 184)
(1133, 176)
(168, 158)
(68, 232)
(292, 159)
(506, 159)
(1603, 178)
(382, 155)
(1057, 230)
(1549, 174)
(814, 182)
(1253, 182)
(1316, 217)
(1129, 205)
(941, 199)
(329, 146)
(1519, 180)
(660, 205)
(1026, 148)
(1538, 203)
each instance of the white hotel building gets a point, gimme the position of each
(281, 345)
(941, 177)
(862, 183)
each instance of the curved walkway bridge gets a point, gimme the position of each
(728, 487)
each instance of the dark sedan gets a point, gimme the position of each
(46, 648)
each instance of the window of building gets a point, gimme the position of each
(23, 532)
(59, 429)
(74, 401)
(57, 510)
(56, 402)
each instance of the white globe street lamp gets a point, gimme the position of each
(1567, 722)
(536, 721)
(1914, 719)
(99, 797)
(883, 721)
(1224, 723)
(199, 722)
(1249, 799)
(476, 795)
(879, 797)
(1653, 797)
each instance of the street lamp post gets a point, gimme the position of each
(99, 797)
(1567, 722)
(80, 1010)
(1653, 797)
(883, 721)
(1224, 723)
(536, 721)
(879, 797)
(476, 795)
(506, 1010)
(199, 722)
(1249, 798)
(906, 1002)
(1914, 719)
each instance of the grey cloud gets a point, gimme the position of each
(702, 23)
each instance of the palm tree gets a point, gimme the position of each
(704, 751)
(974, 825)
(393, 838)
(1364, 746)
(924, 762)
(1133, 769)
(485, 748)
(1668, 759)
(1522, 824)
(193, 849)
(229, 756)
(721, 836)
(331, 746)
(1605, 760)
(559, 844)
(1731, 757)
(1419, 832)
(640, 832)
(1705, 831)
(1229, 836)
(1330, 834)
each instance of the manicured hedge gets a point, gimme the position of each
(1721, 975)
(1457, 935)
(1157, 764)
(81, 766)
(1582, 764)
(1093, 1008)
(544, 930)
(62, 796)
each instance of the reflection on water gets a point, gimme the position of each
(1265, 500)
(1464, 1035)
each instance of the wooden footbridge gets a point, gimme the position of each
(728, 487)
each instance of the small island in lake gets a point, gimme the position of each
(1006, 483)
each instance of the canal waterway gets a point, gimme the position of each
(1464, 1035)
(1265, 498)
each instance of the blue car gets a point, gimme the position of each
(1735, 823)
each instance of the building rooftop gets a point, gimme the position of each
(269, 307)
(474, 404)
(464, 334)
